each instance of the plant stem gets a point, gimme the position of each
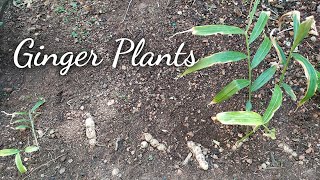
(249, 65)
(283, 73)
(33, 130)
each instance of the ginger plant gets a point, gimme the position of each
(250, 117)
(25, 121)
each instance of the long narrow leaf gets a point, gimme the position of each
(208, 30)
(261, 52)
(318, 80)
(289, 91)
(303, 31)
(281, 55)
(230, 90)
(22, 127)
(247, 118)
(296, 23)
(21, 120)
(258, 28)
(263, 78)
(218, 58)
(22, 169)
(253, 11)
(311, 75)
(274, 105)
(37, 105)
(8, 152)
(31, 149)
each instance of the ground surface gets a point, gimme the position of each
(128, 101)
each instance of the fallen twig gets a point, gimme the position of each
(125, 15)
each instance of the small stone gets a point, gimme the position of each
(154, 142)
(147, 137)
(263, 166)
(42, 175)
(301, 157)
(313, 39)
(40, 133)
(318, 9)
(161, 147)
(249, 161)
(309, 150)
(300, 162)
(62, 170)
(70, 161)
(63, 158)
(7, 90)
(215, 166)
(291, 33)
(179, 12)
(111, 102)
(115, 172)
(144, 144)
(81, 108)
(294, 154)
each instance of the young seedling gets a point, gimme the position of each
(26, 122)
(249, 117)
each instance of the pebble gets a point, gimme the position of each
(144, 144)
(148, 137)
(318, 9)
(161, 147)
(115, 172)
(62, 170)
(263, 166)
(154, 142)
(301, 157)
(179, 12)
(111, 102)
(7, 90)
(70, 161)
(63, 158)
(313, 39)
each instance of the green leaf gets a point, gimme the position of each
(253, 11)
(289, 91)
(22, 169)
(20, 113)
(281, 55)
(258, 28)
(22, 127)
(264, 78)
(261, 52)
(230, 90)
(247, 118)
(296, 23)
(217, 58)
(38, 104)
(21, 121)
(303, 31)
(31, 149)
(248, 106)
(208, 30)
(8, 152)
(311, 75)
(318, 80)
(274, 105)
(271, 134)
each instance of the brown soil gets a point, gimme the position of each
(148, 99)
